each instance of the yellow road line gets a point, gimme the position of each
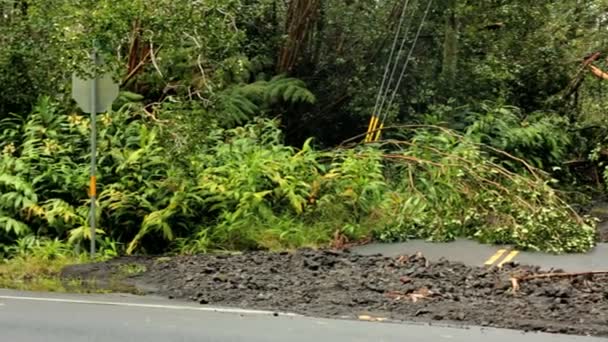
(495, 257)
(508, 258)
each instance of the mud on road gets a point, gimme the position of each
(346, 285)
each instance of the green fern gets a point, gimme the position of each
(540, 139)
(241, 102)
(161, 220)
(14, 226)
(58, 213)
(289, 90)
(19, 185)
(236, 107)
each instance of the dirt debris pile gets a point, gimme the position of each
(343, 284)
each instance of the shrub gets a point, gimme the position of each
(451, 188)
(242, 188)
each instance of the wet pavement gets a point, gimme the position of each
(475, 254)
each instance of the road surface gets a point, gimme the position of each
(475, 254)
(31, 317)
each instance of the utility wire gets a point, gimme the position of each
(409, 56)
(375, 117)
(386, 69)
(378, 111)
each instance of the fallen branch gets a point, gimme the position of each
(516, 280)
(597, 72)
(139, 66)
(472, 172)
(153, 60)
(534, 171)
(561, 275)
(199, 61)
(577, 79)
(412, 159)
(136, 69)
(151, 115)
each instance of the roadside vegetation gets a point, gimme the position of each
(240, 128)
(35, 265)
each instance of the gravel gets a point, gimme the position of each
(341, 284)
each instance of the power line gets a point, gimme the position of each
(375, 125)
(387, 67)
(378, 111)
(409, 56)
(381, 93)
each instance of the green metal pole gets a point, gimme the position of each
(93, 179)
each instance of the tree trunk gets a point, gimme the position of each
(301, 17)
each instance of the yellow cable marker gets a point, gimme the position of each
(377, 137)
(495, 257)
(375, 125)
(369, 129)
(509, 257)
(372, 127)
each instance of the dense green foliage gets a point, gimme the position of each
(243, 188)
(232, 127)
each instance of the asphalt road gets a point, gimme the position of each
(30, 317)
(475, 254)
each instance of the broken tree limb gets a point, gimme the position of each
(597, 72)
(516, 280)
(560, 275)
(578, 78)
(135, 69)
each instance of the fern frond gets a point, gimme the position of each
(12, 225)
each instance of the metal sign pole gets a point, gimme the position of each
(94, 96)
(93, 179)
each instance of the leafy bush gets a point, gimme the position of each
(452, 188)
(242, 188)
(540, 139)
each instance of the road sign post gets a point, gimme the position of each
(93, 176)
(94, 96)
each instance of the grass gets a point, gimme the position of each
(36, 274)
(43, 274)
(131, 269)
